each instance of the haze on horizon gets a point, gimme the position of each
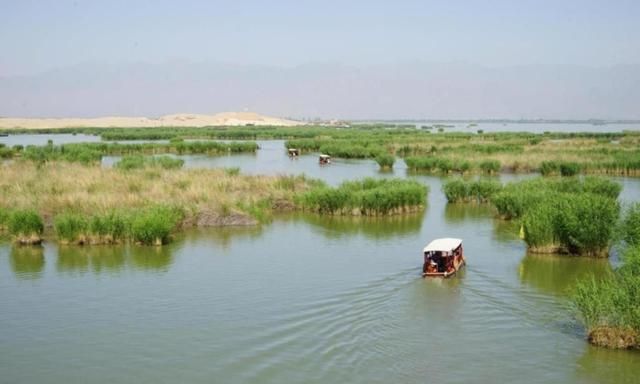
(328, 59)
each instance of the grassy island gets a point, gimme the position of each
(143, 200)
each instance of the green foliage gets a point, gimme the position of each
(137, 161)
(539, 226)
(490, 166)
(549, 168)
(4, 217)
(109, 227)
(25, 223)
(232, 171)
(385, 160)
(631, 225)
(366, 197)
(570, 215)
(87, 153)
(459, 190)
(153, 225)
(569, 169)
(563, 168)
(612, 302)
(71, 227)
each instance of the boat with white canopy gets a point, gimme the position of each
(443, 257)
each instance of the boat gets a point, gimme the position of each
(443, 258)
(325, 159)
(294, 152)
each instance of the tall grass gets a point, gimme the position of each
(608, 306)
(480, 191)
(385, 160)
(137, 161)
(86, 153)
(26, 226)
(152, 226)
(368, 197)
(563, 215)
(631, 225)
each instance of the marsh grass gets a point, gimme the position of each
(608, 306)
(385, 160)
(367, 197)
(99, 204)
(631, 225)
(479, 191)
(563, 215)
(137, 162)
(26, 226)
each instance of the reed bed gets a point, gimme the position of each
(463, 191)
(563, 215)
(369, 197)
(608, 306)
(86, 153)
(103, 197)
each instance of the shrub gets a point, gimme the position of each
(26, 226)
(71, 227)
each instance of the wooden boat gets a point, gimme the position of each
(325, 159)
(443, 258)
(294, 152)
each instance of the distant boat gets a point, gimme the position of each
(3, 134)
(443, 258)
(325, 159)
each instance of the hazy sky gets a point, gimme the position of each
(347, 59)
(40, 35)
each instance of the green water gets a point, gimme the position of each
(304, 299)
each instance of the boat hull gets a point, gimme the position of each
(457, 265)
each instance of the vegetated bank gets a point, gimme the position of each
(609, 306)
(557, 215)
(368, 197)
(144, 199)
(423, 151)
(87, 153)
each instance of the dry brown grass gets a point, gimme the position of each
(57, 187)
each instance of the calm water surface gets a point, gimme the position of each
(303, 299)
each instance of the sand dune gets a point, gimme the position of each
(176, 120)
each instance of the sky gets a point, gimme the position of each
(40, 37)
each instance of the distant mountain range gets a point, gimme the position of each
(413, 90)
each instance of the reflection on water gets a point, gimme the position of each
(371, 227)
(506, 231)
(457, 213)
(599, 365)
(27, 262)
(557, 274)
(223, 236)
(112, 259)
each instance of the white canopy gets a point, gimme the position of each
(446, 244)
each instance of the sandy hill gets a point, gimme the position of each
(177, 120)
